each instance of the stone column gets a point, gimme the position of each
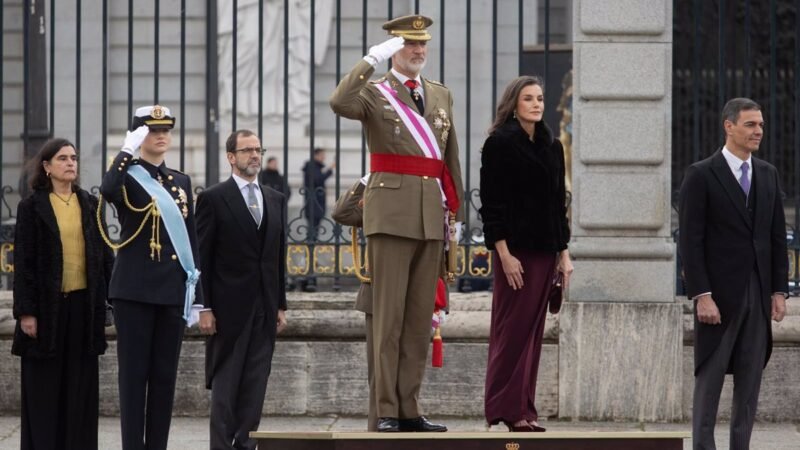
(621, 335)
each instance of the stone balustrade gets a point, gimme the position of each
(319, 365)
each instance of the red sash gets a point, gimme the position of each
(419, 166)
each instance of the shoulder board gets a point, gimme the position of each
(435, 82)
(379, 80)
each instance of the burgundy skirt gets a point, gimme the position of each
(515, 338)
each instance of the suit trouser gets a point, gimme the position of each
(372, 414)
(149, 341)
(240, 384)
(743, 348)
(404, 273)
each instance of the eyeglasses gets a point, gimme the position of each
(251, 150)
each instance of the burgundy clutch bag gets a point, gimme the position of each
(556, 295)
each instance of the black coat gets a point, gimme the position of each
(274, 180)
(314, 177)
(522, 189)
(237, 271)
(722, 242)
(38, 269)
(138, 277)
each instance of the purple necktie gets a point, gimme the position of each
(744, 181)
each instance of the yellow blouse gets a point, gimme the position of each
(68, 216)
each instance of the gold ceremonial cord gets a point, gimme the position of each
(452, 252)
(151, 209)
(357, 258)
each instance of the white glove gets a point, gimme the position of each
(383, 51)
(134, 139)
(459, 226)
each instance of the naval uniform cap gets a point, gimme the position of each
(411, 28)
(156, 117)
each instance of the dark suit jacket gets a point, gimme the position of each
(722, 242)
(38, 268)
(237, 270)
(136, 276)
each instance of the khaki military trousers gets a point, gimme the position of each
(404, 273)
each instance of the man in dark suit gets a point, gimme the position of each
(150, 290)
(733, 246)
(241, 228)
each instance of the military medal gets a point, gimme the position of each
(183, 200)
(397, 130)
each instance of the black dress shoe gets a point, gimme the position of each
(388, 425)
(420, 423)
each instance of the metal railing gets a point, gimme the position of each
(126, 76)
(745, 48)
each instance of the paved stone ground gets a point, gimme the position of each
(192, 433)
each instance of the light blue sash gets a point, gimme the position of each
(176, 229)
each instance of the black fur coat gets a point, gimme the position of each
(523, 194)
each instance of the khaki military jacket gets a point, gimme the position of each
(397, 204)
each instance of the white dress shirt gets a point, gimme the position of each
(402, 79)
(736, 164)
(242, 184)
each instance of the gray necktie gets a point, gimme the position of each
(252, 203)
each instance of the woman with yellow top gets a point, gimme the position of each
(61, 277)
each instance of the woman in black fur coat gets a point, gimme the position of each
(525, 222)
(61, 274)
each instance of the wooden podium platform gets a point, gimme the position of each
(558, 440)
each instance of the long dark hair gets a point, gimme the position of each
(508, 103)
(37, 177)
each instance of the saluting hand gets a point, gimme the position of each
(385, 50)
(134, 139)
(707, 311)
(29, 326)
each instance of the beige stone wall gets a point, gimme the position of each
(319, 366)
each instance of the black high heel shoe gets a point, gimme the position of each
(519, 428)
(537, 428)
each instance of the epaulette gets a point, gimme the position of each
(379, 80)
(435, 82)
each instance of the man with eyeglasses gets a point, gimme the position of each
(241, 233)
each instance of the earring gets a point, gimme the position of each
(514, 114)
(48, 174)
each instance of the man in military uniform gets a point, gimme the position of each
(415, 184)
(154, 278)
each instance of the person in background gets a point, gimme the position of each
(62, 268)
(270, 177)
(315, 173)
(525, 222)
